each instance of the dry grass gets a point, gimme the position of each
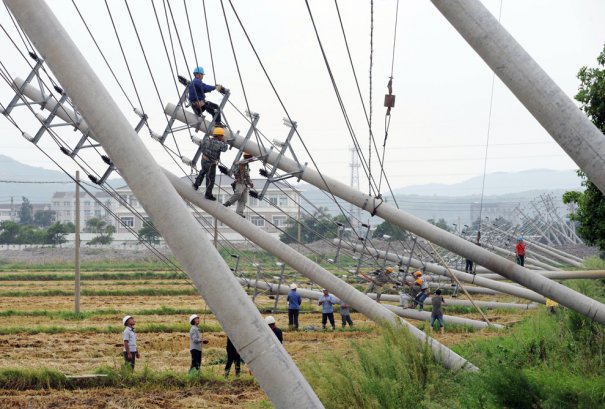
(81, 353)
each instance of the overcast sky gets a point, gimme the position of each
(439, 126)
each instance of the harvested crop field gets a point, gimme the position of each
(38, 329)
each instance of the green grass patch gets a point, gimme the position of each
(97, 276)
(101, 293)
(85, 266)
(110, 329)
(594, 263)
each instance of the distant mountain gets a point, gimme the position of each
(453, 202)
(500, 183)
(14, 175)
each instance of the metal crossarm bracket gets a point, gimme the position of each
(46, 123)
(284, 147)
(172, 118)
(18, 96)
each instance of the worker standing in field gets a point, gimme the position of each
(294, 301)
(327, 302)
(129, 337)
(195, 343)
(232, 356)
(278, 333)
(520, 251)
(423, 290)
(437, 313)
(345, 314)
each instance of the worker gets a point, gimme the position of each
(129, 337)
(551, 305)
(422, 291)
(195, 343)
(437, 312)
(327, 302)
(520, 251)
(345, 314)
(378, 279)
(197, 96)
(211, 155)
(243, 183)
(232, 356)
(278, 333)
(294, 301)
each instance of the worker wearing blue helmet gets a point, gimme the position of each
(197, 96)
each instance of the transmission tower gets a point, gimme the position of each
(354, 210)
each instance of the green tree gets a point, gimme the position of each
(26, 213)
(590, 212)
(149, 234)
(101, 227)
(55, 234)
(44, 218)
(386, 227)
(313, 228)
(441, 223)
(9, 232)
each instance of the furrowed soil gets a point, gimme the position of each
(80, 345)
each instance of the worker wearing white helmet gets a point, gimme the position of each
(294, 301)
(130, 341)
(271, 322)
(195, 343)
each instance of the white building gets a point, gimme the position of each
(64, 206)
(278, 206)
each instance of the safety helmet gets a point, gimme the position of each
(125, 320)
(270, 320)
(198, 70)
(218, 131)
(519, 238)
(192, 317)
(417, 273)
(389, 269)
(293, 286)
(419, 281)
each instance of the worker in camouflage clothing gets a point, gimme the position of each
(211, 154)
(378, 279)
(242, 185)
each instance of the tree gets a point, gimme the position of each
(26, 213)
(441, 223)
(590, 212)
(55, 234)
(319, 225)
(44, 218)
(101, 227)
(149, 234)
(9, 232)
(389, 229)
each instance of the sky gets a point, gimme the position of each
(439, 126)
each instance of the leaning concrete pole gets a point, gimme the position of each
(272, 366)
(569, 127)
(315, 272)
(553, 290)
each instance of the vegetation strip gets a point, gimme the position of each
(100, 293)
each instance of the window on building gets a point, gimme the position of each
(257, 221)
(279, 221)
(97, 213)
(283, 200)
(66, 203)
(272, 200)
(134, 202)
(87, 213)
(127, 221)
(56, 204)
(253, 202)
(87, 203)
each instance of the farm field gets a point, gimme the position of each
(38, 330)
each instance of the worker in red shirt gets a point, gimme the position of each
(520, 251)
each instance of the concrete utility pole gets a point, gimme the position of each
(77, 243)
(568, 126)
(548, 288)
(272, 366)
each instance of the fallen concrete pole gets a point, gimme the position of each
(314, 271)
(437, 269)
(402, 312)
(376, 206)
(465, 303)
(560, 116)
(273, 368)
(559, 275)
